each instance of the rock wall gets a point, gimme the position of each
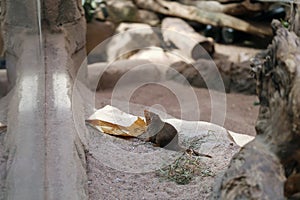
(44, 46)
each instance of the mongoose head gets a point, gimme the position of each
(150, 117)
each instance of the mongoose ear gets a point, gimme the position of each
(147, 117)
(145, 112)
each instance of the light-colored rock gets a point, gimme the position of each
(236, 53)
(129, 39)
(123, 72)
(149, 64)
(159, 56)
(148, 17)
(176, 31)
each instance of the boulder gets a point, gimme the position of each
(123, 72)
(129, 39)
(242, 81)
(203, 74)
(158, 56)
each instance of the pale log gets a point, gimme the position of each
(244, 7)
(202, 16)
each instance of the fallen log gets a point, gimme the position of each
(126, 11)
(183, 36)
(244, 7)
(269, 167)
(202, 16)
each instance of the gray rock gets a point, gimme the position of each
(202, 74)
(241, 79)
(210, 74)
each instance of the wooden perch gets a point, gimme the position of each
(190, 43)
(201, 16)
(269, 167)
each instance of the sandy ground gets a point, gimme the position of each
(106, 182)
(129, 173)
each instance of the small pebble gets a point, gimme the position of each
(117, 180)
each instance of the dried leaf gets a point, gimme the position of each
(107, 127)
(112, 121)
(137, 128)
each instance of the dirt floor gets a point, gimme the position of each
(241, 113)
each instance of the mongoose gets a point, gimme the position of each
(292, 187)
(163, 134)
